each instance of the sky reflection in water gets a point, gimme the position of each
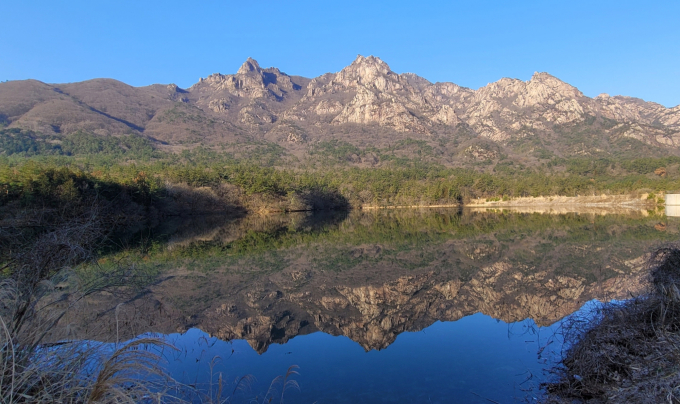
(465, 361)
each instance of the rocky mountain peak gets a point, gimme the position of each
(370, 61)
(551, 84)
(248, 97)
(542, 76)
(250, 65)
(365, 70)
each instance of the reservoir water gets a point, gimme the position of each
(391, 306)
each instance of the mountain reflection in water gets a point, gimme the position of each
(370, 277)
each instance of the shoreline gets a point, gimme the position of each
(628, 201)
(556, 203)
(377, 207)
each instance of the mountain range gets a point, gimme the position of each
(365, 104)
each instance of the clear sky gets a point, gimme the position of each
(618, 47)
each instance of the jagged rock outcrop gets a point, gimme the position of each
(250, 81)
(368, 92)
(502, 109)
(253, 97)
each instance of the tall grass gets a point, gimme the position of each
(41, 360)
(36, 367)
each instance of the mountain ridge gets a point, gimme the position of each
(365, 103)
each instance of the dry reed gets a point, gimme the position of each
(40, 362)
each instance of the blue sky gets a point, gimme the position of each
(619, 47)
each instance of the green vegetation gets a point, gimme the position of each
(37, 185)
(32, 179)
(22, 143)
(34, 167)
(336, 149)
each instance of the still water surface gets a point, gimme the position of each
(435, 306)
